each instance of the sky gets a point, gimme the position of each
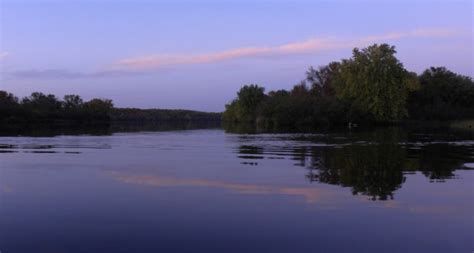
(197, 54)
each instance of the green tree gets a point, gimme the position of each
(375, 82)
(244, 108)
(231, 112)
(276, 108)
(249, 97)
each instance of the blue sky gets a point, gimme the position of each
(196, 55)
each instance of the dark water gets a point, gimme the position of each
(387, 190)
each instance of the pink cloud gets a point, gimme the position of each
(3, 55)
(308, 46)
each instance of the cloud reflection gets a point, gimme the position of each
(427, 209)
(311, 195)
(7, 189)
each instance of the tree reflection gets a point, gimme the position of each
(373, 167)
(439, 161)
(373, 170)
(67, 128)
(374, 164)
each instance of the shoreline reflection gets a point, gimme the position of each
(376, 167)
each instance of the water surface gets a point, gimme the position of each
(388, 190)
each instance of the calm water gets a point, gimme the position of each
(389, 190)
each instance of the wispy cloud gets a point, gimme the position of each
(154, 62)
(48, 73)
(312, 45)
(67, 74)
(166, 60)
(3, 55)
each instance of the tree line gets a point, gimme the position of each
(158, 115)
(47, 108)
(371, 86)
(40, 107)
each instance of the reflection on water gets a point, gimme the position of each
(373, 164)
(386, 190)
(45, 130)
(311, 195)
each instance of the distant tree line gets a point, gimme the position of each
(158, 115)
(371, 86)
(47, 108)
(39, 107)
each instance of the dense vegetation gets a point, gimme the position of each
(371, 86)
(156, 115)
(41, 107)
(47, 108)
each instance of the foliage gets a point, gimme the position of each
(370, 87)
(40, 107)
(73, 102)
(159, 115)
(375, 82)
(443, 95)
(99, 108)
(321, 80)
(244, 108)
(47, 108)
(9, 106)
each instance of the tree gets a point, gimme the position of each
(249, 97)
(41, 105)
(244, 108)
(371, 86)
(321, 80)
(72, 102)
(7, 100)
(442, 95)
(374, 81)
(300, 90)
(301, 104)
(230, 113)
(99, 108)
(8, 105)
